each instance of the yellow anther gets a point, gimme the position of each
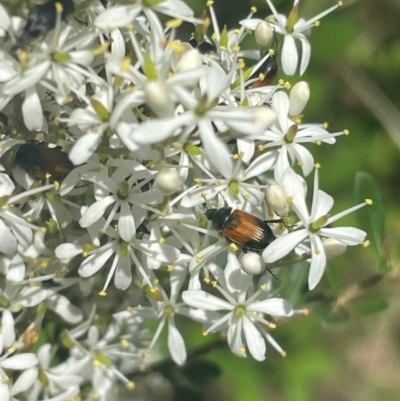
(102, 293)
(366, 243)
(317, 165)
(369, 201)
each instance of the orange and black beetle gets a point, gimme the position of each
(38, 160)
(244, 229)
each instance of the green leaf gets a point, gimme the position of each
(372, 217)
(201, 372)
(370, 306)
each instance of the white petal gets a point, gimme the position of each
(16, 269)
(176, 345)
(195, 197)
(126, 222)
(32, 110)
(261, 164)
(305, 53)
(217, 152)
(66, 251)
(250, 23)
(280, 247)
(347, 235)
(27, 79)
(161, 252)
(289, 56)
(318, 263)
(84, 148)
(280, 104)
(93, 263)
(9, 243)
(24, 381)
(204, 300)
(158, 130)
(303, 155)
(7, 323)
(61, 305)
(96, 211)
(272, 306)
(254, 340)
(20, 362)
(7, 72)
(123, 274)
(322, 205)
(116, 17)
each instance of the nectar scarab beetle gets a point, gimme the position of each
(244, 229)
(38, 160)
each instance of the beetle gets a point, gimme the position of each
(38, 160)
(244, 229)
(42, 19)
(268, 71)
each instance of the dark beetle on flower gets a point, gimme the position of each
(267, 72)
(244, 229)
(38, 160)
(43, 19)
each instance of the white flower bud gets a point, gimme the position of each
(333, 248)
(263, 34)
(158, 99)
(189, 60)
(168, 181)
(264, 116)
(277, 199)
(252, 263)
(298, 98)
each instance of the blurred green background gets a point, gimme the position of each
(353, 352)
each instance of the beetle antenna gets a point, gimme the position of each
(225, 202)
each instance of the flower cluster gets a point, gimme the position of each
(117, 135)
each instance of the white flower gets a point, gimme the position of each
(291, 28)
(242, 316)
(289, 136)
(315, 226)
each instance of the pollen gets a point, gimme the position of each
(366, 243)
(124, 343)
(272, 326)
(319, 143)
(300, 163)
(197, 259)
(162, 240)
(287, 85)
(317, 165)
(317, 251)
(197, 181)
(346, 132)
(241, 63)
(289, 199)
(206, 280)
(340, 3)
(236, 49)
(264, 287)
(179, 222)
(170, 268)
(214, 283)
(317, 23)
(96, 363)
(174, 23)
(284, 354)
(210, 3)
(56, 185)
(260, 148)
(130, 385)
(102, 293)
(130, 26)
(233, 247)
(236, 31)
(242, 350)
(369, 202)
(205, 333)
(130, 309)
(247, 197)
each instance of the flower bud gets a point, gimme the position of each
(333, 248)
(277, 199)
(189, 60)
(298, 98)
(168, 181)
(158, 99)
(263, 34)
(252, 263)
(264, 116)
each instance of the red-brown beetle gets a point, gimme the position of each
(244, 229)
